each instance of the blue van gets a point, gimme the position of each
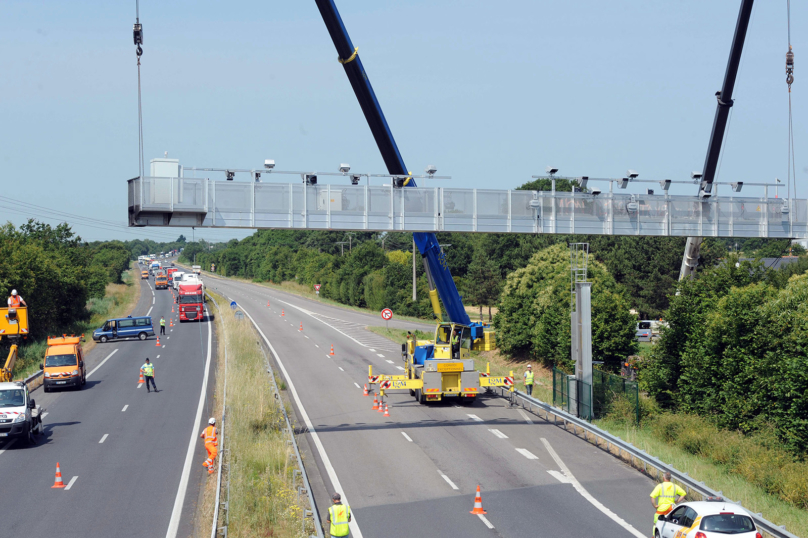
(128, 327)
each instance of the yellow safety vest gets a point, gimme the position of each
(148, 370)
(339, 519)
(528, 378)
(666, 494)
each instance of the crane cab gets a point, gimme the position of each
(14, 323)
(452, 341)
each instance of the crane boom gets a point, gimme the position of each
(724, 98)
(438, 272)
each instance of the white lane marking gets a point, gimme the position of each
(524, 416)
(357, 385)
(499, 434)
(101, 363)
(304, 336)
(315, 345)
(8, 445)
(153, 300)
(158, 356)
(400, 368)
(373, 350)
(475, 417)
(332, 474)
(407, 437)
(527, 453)
(380, 355)
(125, 407)
(139, 385)
(586, 495)
(103, 438)
(70, 484)
(485, 520)
(174, 524)
(391, 362)
(168, 338)
(340, 367)
(448, 481)
(149, 312)
(559, 476)
(45, 414)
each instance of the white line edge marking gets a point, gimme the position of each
(498, 434)
(407, 437)
(70, 484)
(150, 309)
(485, 520)
(103, 438)
(559, 476)
(332, 474)
(524, 416)
(45, 414)
(174, 523)
(125, 407)
(357, 385)
(448, 481)
(586, 495)
(527, 453)
(100, 364)
(8, 445)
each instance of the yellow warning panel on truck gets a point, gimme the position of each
(450, 367)
(496, 381)
(411, 384)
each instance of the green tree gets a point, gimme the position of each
(483, 282)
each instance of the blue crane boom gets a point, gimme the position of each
(440, 278)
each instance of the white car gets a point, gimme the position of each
(20, 417)
(711, 518)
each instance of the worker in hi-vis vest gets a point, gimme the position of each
(148, 375)
(339, 515)
(211, 444)
(529, 380)
(665, 496)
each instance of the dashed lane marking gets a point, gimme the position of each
(485, 520)
(306, 337)
(499, 434)
(315, 345)
(524, 416)
(8, 445)
(559, 476)
(448, 481)
(158, 356)
(103, 438)
(527, 453)
(45, 414)
(380, 355)
(340, 367)
(391, 362)
(400, 368)
(70, 484)
(139, 385)
(407, 437)
(475, 417)
(125, 407)
(150, 309)
(357, 385)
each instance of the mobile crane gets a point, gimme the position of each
(429, 366)
(13, 326)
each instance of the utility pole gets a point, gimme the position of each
(414, 283)
(341, 247)
(350, 237)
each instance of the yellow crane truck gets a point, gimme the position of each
(13, 326)
(440, 368)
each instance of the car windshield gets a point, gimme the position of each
(644, 325)
(12, 398)
(61, 360)
(727, 524)
(190, 299)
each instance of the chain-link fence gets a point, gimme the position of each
(588, 402)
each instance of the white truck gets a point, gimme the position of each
(20, 416)
(197, 269)
(191, 278)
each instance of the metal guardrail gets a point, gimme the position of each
(214, 528)
(633, 455)
(35, 380)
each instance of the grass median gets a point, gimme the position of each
(263, 491)
(118, 301)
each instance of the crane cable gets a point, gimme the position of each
(792, 170)
(137, 34)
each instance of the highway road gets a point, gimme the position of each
(122, 450)
(416, 472)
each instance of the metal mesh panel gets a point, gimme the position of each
(271, 197)
(231, 196)
(189, 194)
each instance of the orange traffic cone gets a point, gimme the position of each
(172, 308)
(332, 349)
(171, 322)
(375, 402)
(381, 405)
(366, 391)
(282, 312)
(301, 325)
(158, 342)
(478, 504)
(267, 304)
(58, 482)
(141, 380)
(386, 411)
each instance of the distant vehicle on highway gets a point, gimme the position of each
(191, 299)
(176, 278)
(648, 330)
(129, 327)
(64, 363)
(20, 416)
(161, 281)
(144, 274)
(713, 518)
(197, 269)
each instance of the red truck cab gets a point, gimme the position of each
(191, 299)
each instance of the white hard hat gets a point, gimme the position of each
(212, 421)
(13, 292)
(529, 366)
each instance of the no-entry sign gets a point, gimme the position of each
(387, 314)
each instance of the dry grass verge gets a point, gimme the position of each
(263, 495)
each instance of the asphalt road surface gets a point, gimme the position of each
(416, 472)
(122, 450)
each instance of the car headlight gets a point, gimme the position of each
(75, 372)
(47, 374)
(20, 418)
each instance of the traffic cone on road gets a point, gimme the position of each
(282, 313)
(332, 349)
(141, 380)
(301, 326)
(381, 405)
(267, 304)
(386, 411)
(171, 322)
(375, 402)
(366, 391)
(58, 482)
(478, 504)
(158, 342)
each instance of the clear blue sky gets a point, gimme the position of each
(490, 92)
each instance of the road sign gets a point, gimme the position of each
(316, 287)
(387, 314)
(233, 305)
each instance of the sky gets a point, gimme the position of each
(489, 92)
